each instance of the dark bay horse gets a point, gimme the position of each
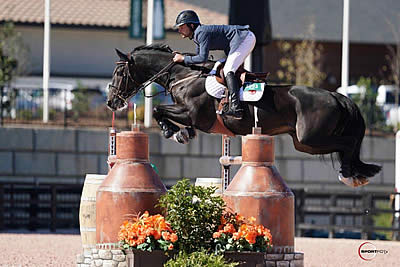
(319, 121)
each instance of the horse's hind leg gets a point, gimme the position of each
(315, 135)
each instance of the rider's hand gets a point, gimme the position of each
(216, 65)
(178, 58)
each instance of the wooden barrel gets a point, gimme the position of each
(87, 210)
(206, 182)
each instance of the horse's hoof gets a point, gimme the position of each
(353, 181)
(191, 132)
(182, 137)
(167, 133)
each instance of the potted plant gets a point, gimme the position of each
(236, 233)
(194, 213)
(146, 239)
(241, 240)
(195, 222)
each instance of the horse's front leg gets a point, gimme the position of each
(168, 128)
(164, 114)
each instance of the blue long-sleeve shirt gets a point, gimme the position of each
(216, 37)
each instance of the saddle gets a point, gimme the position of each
(242, 75)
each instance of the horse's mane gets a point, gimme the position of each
(159, 47)
(165, 48)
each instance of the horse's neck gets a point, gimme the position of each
(149, 70)
(176, 72)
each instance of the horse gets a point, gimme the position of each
(319, 121)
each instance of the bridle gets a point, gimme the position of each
(117, 92)
(141, 86)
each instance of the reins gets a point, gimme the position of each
(162, 72)
(143, 85)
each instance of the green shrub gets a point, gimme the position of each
(198, 259)
(25, 114)
(193, 213)
(384, 219)
(80, 103)
(371, 113)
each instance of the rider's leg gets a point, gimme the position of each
(234, 60)
(234, 99)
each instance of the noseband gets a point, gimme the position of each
(140, 85)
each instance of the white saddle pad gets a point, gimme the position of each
(249, 92)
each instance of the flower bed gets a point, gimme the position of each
(147, 233)
(195, 222)
(237, 233)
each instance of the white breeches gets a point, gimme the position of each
(237, 57)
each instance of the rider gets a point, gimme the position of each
(236, 41)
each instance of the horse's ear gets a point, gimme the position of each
(122, 56)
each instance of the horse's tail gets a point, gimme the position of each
(355, 126)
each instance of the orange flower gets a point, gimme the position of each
(170, 247)
(243, 227)
(173, 237)
(239, 218)
(252, 220)
(251, 237)
(229, 228)
(157, 235)
(135, 232)
(246, 230)
(236, 236)
(165, 235)
(223, 221)
(216, 235)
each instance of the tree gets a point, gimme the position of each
(301, 62)
(7, 66)
(14, 59)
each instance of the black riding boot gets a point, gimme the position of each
(234, 99)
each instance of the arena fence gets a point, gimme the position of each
(365, 215)
(78, 107)
(67, 107)
(44, 206)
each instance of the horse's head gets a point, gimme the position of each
(123, 84)
(133, 70)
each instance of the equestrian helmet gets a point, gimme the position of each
(186, 17)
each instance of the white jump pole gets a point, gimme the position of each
(46, 61)
(148, 102)
(345, 45)
(397, 183)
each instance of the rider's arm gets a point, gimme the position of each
(202, 50)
